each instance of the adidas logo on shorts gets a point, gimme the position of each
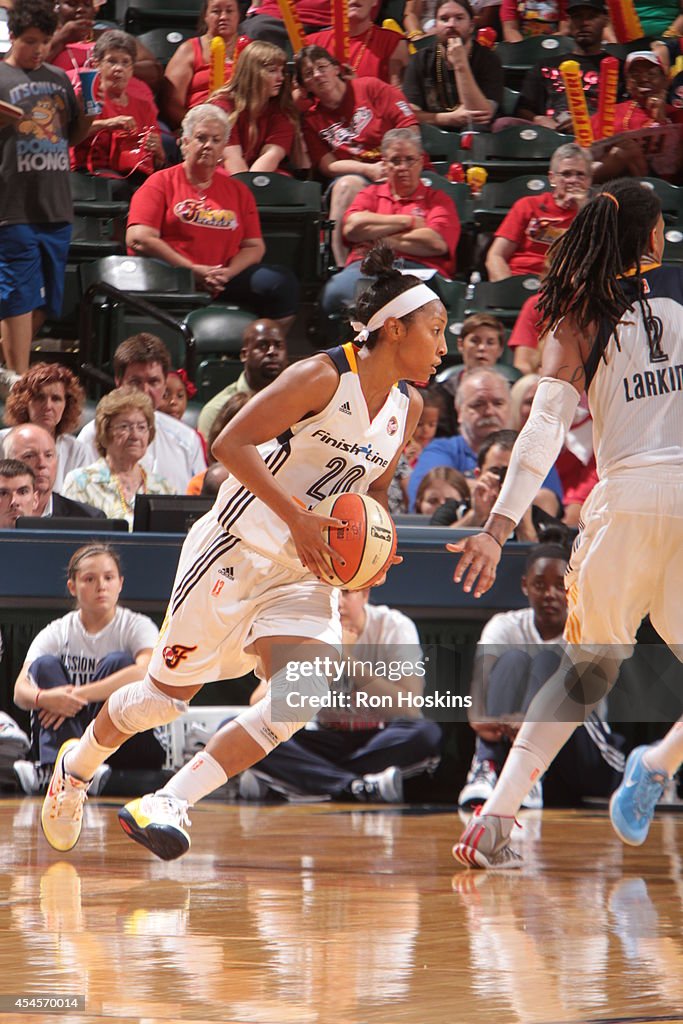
(228, 572)
(346, 408)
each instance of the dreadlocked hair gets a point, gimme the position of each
(389, 282)
(607, 238)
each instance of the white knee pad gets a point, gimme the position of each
(295, 704)
(140, 706)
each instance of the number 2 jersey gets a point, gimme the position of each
(635, 393)
(337, 450)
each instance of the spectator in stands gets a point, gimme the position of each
(186, 78)
(72, 45)
(482, 403)
(521, 243)
(179, 389)
(175, 451)
(660, 19)
(358, 754)
(35, 446)
(264, 19)
(215, 475)
(493, 459)
(522, 18)
(425, 431)
(517, 652)
(418, 222)
(50, 396)
(647, 85)
(440, 485)
(264, 354)
(481, 343)
(124, 140)
(223, 417)
(523, 340)
(374, 52)
(455, 83)
(36, 210)
(124, 427)
(76, 662)
(575, 464)
(195, 215)
(263, 118)
(18, 495)
(344, 128)
(543, 97)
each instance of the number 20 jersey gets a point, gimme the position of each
(335, 451)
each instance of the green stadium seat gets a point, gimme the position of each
(518, 58)
(497, 198)
(218, 330)
(516, 151)
(502, 299)
(440, 146)
(673, 246)
(462, 198)
(622, 50)
(291, 221)
(143, 15)
(163, 42)
(671, 198)
(509, 104)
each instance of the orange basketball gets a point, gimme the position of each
(367, 544)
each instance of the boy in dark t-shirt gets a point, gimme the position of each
(35, 202)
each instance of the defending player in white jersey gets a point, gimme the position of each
(614, 322)
(250, 572)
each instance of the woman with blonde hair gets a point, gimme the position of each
(263, 118)
(124, 427)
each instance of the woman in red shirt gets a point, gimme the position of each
(522, 241)
(195, 215)
(124, 138)
(262, 114)
(186, 79)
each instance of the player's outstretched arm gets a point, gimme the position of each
(536, 449)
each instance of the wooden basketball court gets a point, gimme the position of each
(332, 914)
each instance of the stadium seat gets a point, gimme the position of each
(291, 221)
(622, 50)
(452, 294)
(671, 198)
(518, 58)
(143, 15)
(673, 246)
(521, 150)
(105, 322)
(440, 146)
(217, 332)
(92, 196)
(509, 105)
(497, 198)
(502, 299)
(462, 198)
(163, 42)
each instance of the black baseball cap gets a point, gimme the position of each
(597, 5)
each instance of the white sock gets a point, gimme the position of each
(83, 761)
(536, 745)
(196, 779)
(667, 755)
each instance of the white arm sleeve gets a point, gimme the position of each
(537, 447)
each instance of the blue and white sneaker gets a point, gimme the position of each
(632, 806)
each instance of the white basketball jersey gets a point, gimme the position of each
(340, 449)
(635, 392)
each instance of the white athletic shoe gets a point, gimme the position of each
(157, 821)
(62, 812)
(386, 786)
(485, 843)
(479, 785)
(533, 801)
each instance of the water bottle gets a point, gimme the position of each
(475, 278)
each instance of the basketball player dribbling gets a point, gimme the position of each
(614, 321)
(251, 572)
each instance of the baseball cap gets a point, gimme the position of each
(647, 55)
(597, 5)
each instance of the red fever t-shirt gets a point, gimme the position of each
(272, 128)
(206, 230)
(435, 206)
(534, 222)
(354, 130)
(369, 53)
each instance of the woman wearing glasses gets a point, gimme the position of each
(124, 427)
(418, 222)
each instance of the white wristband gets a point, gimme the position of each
(537, 447)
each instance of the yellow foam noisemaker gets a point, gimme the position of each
(576, 101)
(216, 64)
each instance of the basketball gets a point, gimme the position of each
(367, 544)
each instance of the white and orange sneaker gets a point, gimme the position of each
(62, 812)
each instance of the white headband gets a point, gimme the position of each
(404, 303)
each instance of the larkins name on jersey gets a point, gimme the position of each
(652, 383)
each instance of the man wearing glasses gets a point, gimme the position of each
(419, 222)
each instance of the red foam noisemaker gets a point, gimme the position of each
(340, 24)
(456, 173)
(487, 37)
